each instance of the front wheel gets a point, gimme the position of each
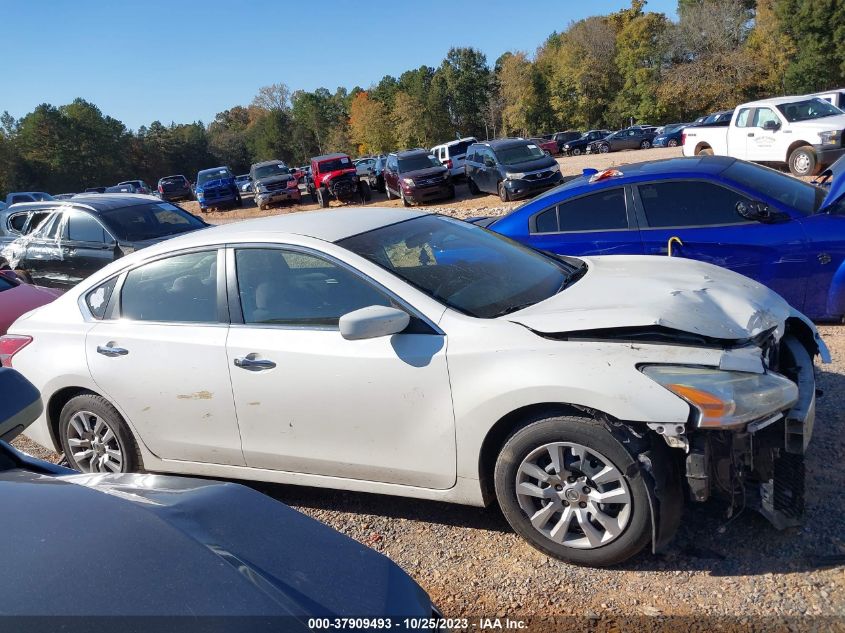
(802, 161)
(95, 438)
(672, 143)
(571, 489)
(604, 149)
(575, 152)
(323, 197)
(504, 196)
(405, 201)
(387, 192)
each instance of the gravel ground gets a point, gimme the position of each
(731, 574)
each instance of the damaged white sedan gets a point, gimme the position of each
(394, 352)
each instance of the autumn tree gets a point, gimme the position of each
(369, 127)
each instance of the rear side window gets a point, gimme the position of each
(459, 148)
(97, 300)
(179, 289)
(17, 222)
(690, 203)
(601, 211)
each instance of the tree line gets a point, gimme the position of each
(605, 71)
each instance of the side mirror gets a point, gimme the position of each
(755, 211)
(771, 126)
(20, 405)
(488, 162)
(373, 322)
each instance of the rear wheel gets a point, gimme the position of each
(802, 161)
(672, 143)
(504, 196)
(95, 438)
(645, 144)
(570, 488)
(575, 152)
(604, 149)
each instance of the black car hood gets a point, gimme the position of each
(424, 173)
(272, 179)
(118, 545)
(541, 163)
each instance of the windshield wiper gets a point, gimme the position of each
(514, 308)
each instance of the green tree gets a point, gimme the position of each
(817, 27)
(639, 57)
(467, 80)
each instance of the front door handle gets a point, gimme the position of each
(111, 351)
(254, 364)
(751, 134)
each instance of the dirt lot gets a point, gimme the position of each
(465, 205)
(729, 574)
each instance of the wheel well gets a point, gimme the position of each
(701, 146)
(803, 333)
(502, 429)
(54, 410)
(795, 145)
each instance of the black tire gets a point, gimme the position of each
(575, 152)
(672, 143)
(387, 192)
(532, 438)
(803, 162)
(405, 201)
(366, 193)
(604, 148)
(473, 188)
(323, 197)
(504, 196)
(105, 411)
(380, 184)
(262, 207)
(645, 144)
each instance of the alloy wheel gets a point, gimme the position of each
(573, 495)
(94, 445)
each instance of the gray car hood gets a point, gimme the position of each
(680, 294)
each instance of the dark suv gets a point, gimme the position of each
(81, 235)
(272, 182)
(415, 176)
(175, 188)
(513, 168)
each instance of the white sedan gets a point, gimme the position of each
(395, 352)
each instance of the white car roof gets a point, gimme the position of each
(775, 101)
(331, 226)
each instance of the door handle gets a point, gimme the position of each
(751, 134)
(254, 364)
(111, 351)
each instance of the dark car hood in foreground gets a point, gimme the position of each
(544, 162)
(118, 545)
(425, 173)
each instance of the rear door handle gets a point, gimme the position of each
(254, 364)
(111, 351)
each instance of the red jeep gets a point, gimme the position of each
(334, 176)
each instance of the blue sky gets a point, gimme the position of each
(184, 60)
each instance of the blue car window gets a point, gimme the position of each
(546, 222)
(689, 203)
(801, 196)
(601, 211)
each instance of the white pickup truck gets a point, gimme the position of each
(806, 133)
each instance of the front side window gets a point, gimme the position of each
(468, 268)
(801, 196)
(81, 227)
(690, 203)
(285, 287)
(17, 221)
(178, 289)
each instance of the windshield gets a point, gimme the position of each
(270, 171)
(149, 221)
(792, 192)
(478, 272)
(807, 110)
(417, 161)
(335, 164)
(519, 154)
(213, 174)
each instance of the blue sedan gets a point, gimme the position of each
(776, 229)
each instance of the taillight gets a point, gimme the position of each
(11, 344)
(683, 138)
(449, 163)
(292, 183)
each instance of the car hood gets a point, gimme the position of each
(161, 545)
(20, 299)
(622, 291)
(425, 173)
(272, 179)
(544, 162)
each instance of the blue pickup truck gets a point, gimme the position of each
(216, 189)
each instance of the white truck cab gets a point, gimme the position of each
(804, 132)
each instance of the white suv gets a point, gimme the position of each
(453, 154)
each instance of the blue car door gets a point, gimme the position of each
(595, 223)
(704, 217)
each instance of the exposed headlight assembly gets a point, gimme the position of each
(408, 181)
(555, 167)
(515, 175)
(726, 399)
(831, 137)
